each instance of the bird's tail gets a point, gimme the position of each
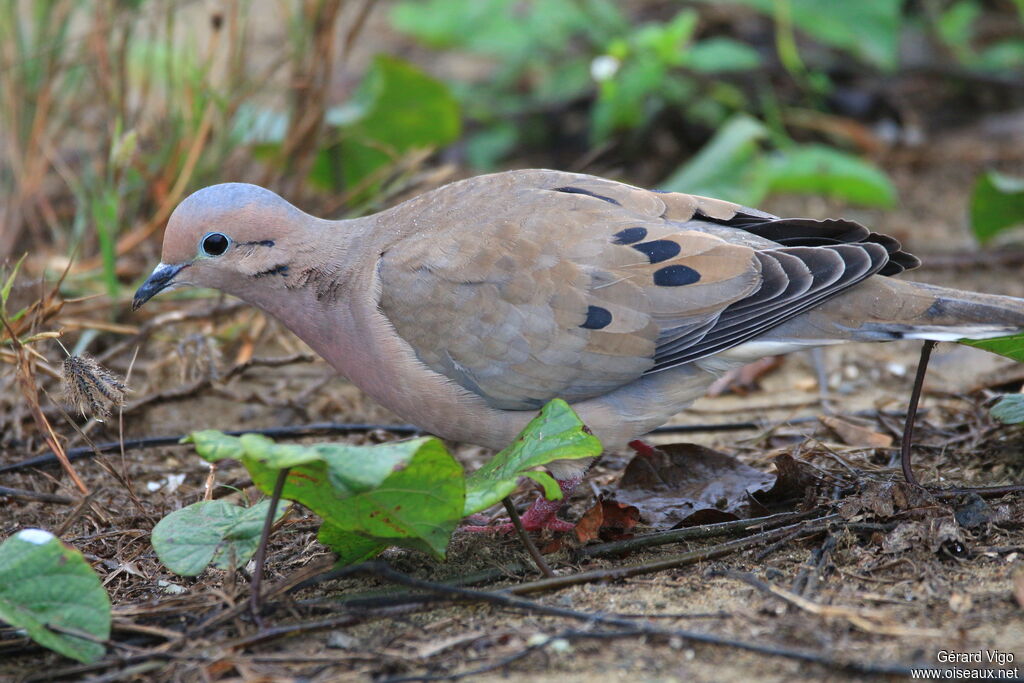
(882, 309)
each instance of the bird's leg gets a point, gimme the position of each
(908, 428)
(541, 514)
(642, 448)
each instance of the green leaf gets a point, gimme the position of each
(956, 25)
(729, 166)
(5, 291)
(408, 493)
(1011, 346)
(870, 30)
(487, 147)
(717, 55)
(349, 546)
(1009, 409)
(210, 532)
(555, 434)
(822, 170)
(396, 109)
(997, 203)
(1002, 56)
(213, 446)
(46, 583)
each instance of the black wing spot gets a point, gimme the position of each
(597, 318)
(659, 250)
(629, 235)
(675, 276)
(580, 190)
(281, 270)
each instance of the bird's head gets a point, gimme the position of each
(233, 237)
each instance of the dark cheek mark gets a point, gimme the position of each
(675, 276)
(597, 318)
(281, 270)
(659, 250)
(629, 235)
(259, 243)
(580, 190)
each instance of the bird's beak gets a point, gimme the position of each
(158, 281)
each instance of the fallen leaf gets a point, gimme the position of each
(882, 499)
(974, 512)
(854, 434)
(681, 479)
(793, 478)
(607, 520)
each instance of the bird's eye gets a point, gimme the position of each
(214, 244)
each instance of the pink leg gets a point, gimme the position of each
(642, 448)
(540, 515)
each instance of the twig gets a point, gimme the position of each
(35, 496)
(261, 550)
(867, 620)
(692, 533)
(525, 538)
(672, 562)
(74, 515)
(31, 394)
(908, 427)
(318, 428)
(314, 429)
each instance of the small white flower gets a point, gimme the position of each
(604, 67)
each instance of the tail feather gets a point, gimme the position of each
(882, 309)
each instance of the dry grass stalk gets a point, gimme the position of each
(30, 391)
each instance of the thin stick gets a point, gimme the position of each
(525, 538)
(908, 427)
(261, 551)
(318, 428)
(22, 494)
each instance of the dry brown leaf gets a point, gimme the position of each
(854, 434)
(608, 521)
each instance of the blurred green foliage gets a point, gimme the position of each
(396, 109)
(114, 111)
(997, 204)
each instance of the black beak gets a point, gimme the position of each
(156, 283)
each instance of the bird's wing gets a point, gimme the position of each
(528, 285)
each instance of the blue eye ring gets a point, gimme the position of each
(214, 243)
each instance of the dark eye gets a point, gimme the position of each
(215, 244)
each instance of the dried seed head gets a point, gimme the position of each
(200, 358)
(91, 388)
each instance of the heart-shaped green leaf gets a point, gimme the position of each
(408, 493)
(44, 584)
(555, 434)
(210, 532)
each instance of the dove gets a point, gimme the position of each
(463, 310)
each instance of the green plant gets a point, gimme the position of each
(736, 165)
(536, 58)
(49, 590)
(409, 493)
(956, 28)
